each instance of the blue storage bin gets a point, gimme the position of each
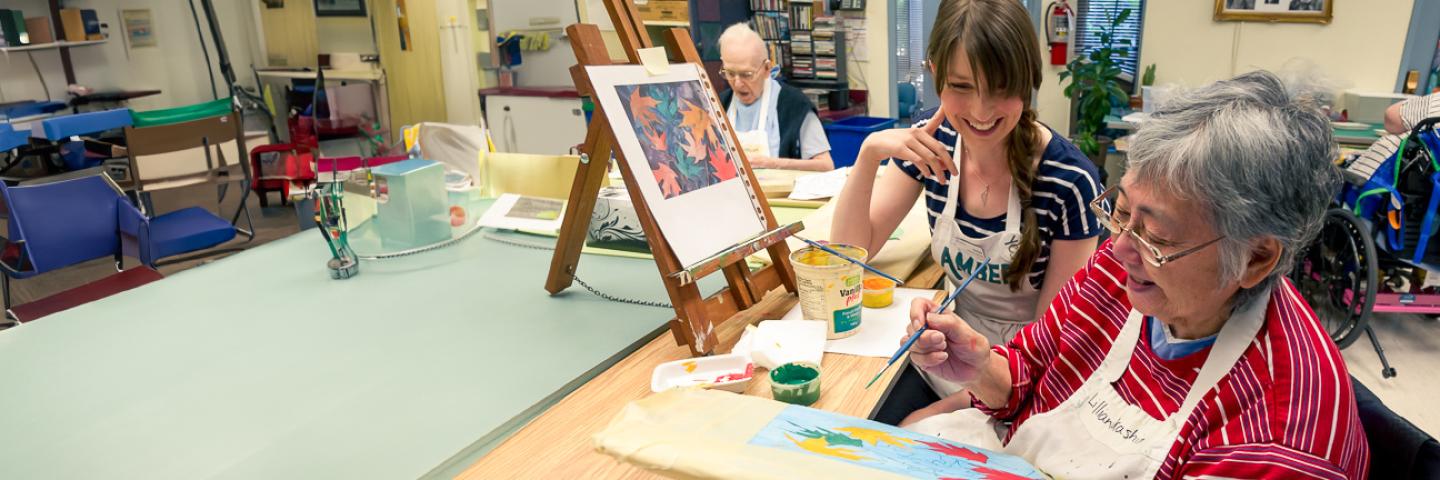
(847, 135)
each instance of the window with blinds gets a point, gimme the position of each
(910, 44)
(1091, 17)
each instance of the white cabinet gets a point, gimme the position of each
(535, 124)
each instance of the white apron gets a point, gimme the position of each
(988, 304)
(754, 142)
(1094, 433)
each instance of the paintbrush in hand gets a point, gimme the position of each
(943, 305)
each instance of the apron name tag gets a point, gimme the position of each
(1100, 409)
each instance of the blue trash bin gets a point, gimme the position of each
(847, 135)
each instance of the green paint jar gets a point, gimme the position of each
(797, 383)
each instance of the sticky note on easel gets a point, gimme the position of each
(654, 60)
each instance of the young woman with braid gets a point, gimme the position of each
(997, 184)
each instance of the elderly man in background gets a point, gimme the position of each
(776, 123)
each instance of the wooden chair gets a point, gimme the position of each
(206, 151)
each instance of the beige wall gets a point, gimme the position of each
(413, 76)
(290, 35)
(877, 65)
(1361, 47)
(344, 35)
(175, 66)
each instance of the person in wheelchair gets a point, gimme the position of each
(1402, 116)
(1180, 350)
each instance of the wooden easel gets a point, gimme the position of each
(696, 317)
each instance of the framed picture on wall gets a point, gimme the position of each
(339, 8)
(1298, 11)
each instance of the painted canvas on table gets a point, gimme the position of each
(682, 144)
(677, 148)
(884, 447)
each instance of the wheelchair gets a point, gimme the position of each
(1377, 250)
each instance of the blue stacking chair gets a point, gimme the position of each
(206, 151)
(62, 223)
(11, 139)
(66, 131)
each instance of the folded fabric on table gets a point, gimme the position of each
(694, 433)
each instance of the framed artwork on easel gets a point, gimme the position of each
(339, 8)
(692, 189)
(672, 130)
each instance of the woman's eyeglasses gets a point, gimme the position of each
(1118, 224)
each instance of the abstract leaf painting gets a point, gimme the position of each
(883, 447)
(673, 123)
(672, 143)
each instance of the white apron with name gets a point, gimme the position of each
(754, 142)
(1095, 433)
(988, 304)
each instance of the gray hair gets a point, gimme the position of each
(1258, 159)
(742, 34)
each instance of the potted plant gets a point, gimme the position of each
(1137, 101)
(1095, 86)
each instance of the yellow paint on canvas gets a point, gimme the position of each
(822, 447)
(875, 437)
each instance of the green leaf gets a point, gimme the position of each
(1117, 94)
(1124, 14)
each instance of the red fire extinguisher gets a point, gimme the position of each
(1059, 28)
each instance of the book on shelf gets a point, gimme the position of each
(771, 25)
(818, 97)
(777, 53)
(800, 16)
(771, 5)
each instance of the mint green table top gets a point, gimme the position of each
(1363, 136)
(260, 366)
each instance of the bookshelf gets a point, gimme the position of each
(772, 21)
(807, 41)
(818, 56)
(50, 46)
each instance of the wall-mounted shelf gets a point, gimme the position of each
(51, 45)
(666, 23)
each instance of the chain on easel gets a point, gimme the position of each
(592, 290)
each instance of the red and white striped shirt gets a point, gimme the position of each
(1285, 410)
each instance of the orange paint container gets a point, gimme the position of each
(879, 292)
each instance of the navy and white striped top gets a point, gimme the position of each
(1066, 181)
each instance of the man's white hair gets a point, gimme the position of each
(741, 36)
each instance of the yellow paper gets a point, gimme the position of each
(654, 60)
(548, 176)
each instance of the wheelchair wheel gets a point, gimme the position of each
(1337, 275)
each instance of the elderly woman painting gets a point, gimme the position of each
(1179, 350)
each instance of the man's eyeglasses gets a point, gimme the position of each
(1118, 223)
(741, 75)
